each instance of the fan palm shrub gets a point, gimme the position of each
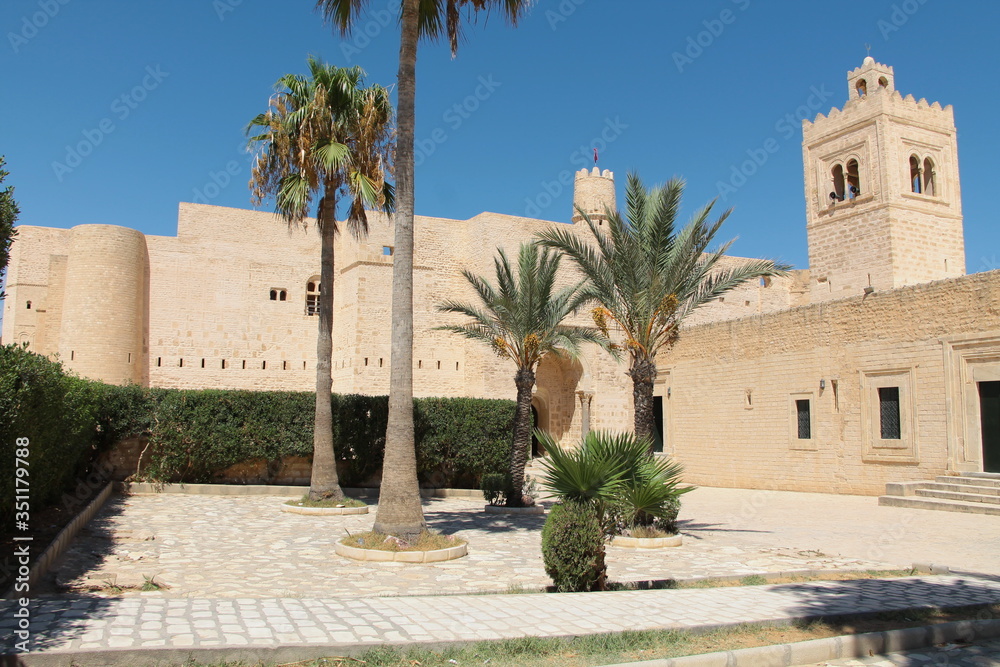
(614, 475)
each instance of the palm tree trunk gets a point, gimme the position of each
(524, 380)
(643, 373)
(323, 481)
(399, 510)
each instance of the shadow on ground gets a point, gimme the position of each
(894, 599)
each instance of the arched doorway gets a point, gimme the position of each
(556, 382)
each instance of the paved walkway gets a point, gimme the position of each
(979, 654)
(198, 545)
(243, 574)
(63, 625)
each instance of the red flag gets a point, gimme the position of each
(595, 156)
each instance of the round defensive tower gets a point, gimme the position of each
(594, 194)
(104, 305)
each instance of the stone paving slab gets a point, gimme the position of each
(65, 626)
(225, 546)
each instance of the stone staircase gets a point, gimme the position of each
(973, 492)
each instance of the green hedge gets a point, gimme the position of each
(194, 434)
(56, 415)
(198, 433)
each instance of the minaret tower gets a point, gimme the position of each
(883, 202)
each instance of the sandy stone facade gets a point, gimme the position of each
(859, 371)
(226, 304)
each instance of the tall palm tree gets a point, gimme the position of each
(324, 136)
(521, 319)
(647, 276)
(399, 510)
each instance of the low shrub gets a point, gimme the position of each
(48, 420)
(573, 547)
(496, 487)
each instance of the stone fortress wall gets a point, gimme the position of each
(780, 384)
(196, 310)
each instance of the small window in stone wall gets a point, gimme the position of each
(888, 427)
(312, 297)
(29, 305)
(804, 418)
(387, 250)
(928, 174)
(888, 403)
(915, 182)
(278, 294)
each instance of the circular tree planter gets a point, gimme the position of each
(380, 556)
(503, 509)
(646, 542)
(324, 511)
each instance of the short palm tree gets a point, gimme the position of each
(324, 135)
(648, 276)
(399, 509)
(520, 318)
(622, 483)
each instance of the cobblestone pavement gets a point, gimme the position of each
(978, 654)
(143, 622)
(226, 546)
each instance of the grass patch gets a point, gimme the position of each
(645, 532)
(634, 645)
(760, 580)
(427, 541)
(150, 584)
(326, 502)
(111, 587)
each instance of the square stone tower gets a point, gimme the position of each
(883, 202)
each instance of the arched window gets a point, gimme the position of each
(883, 82)
(29, 305)
(928, 177)
(915, 174)
(279, 294)
(862, 87)
(312, 296)
(274, 295)
(853, 179)
(838, 183)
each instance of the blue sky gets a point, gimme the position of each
(158, 93)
